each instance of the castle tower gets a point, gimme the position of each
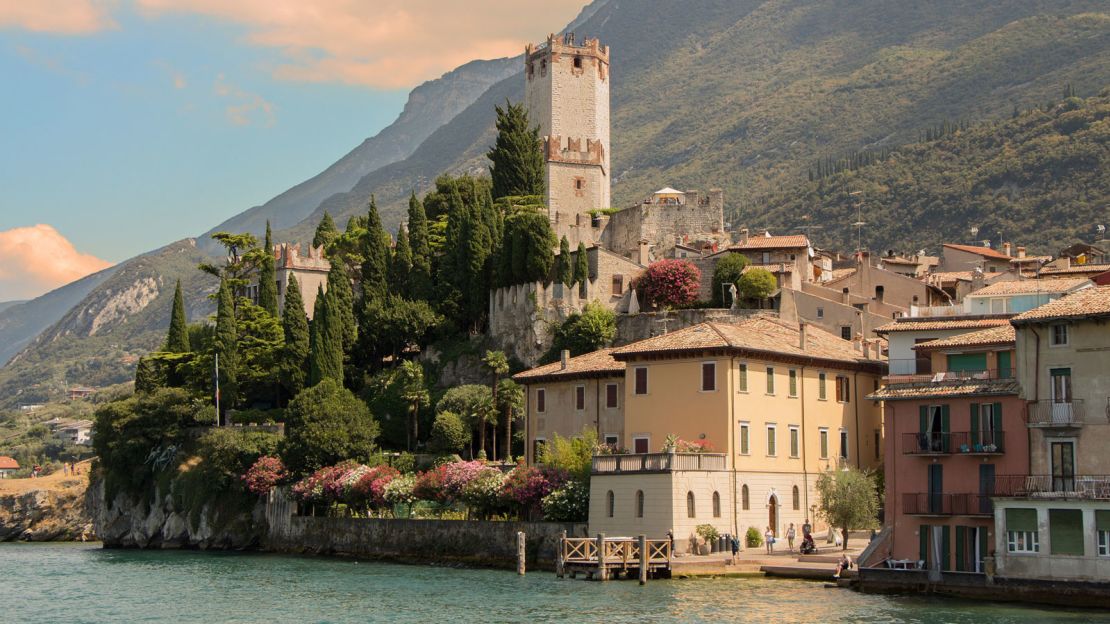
(567, 94)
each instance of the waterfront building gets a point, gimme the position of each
(8, 466)
(1054, 521)
(951, 429)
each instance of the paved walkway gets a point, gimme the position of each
(821, 566)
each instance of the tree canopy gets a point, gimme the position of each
(849, 499)
(516, 159)
(327, 424)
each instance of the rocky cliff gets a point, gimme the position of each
(46, 515)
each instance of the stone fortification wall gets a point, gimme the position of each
(633, 327)
(699, 218)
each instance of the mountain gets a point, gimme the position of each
(1037, 178)
(746, 95)
(98, 341)
(429, 106)
(4, 305)
(21, 322)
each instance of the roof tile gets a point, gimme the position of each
(986, 252)
(1089, 302)
(991, 387)
(772, 242)
(932, 324)
(596, 364)
(1025, 287)
(1000, 335)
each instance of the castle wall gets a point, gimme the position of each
(663, 225)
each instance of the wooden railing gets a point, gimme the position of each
(657, 462)
(618, 551)
(1092, 487)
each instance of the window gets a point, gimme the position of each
(641, 444)
(794, 441)
(611, 395)
(822, 392)
(612, 439)
(745, 502)
(796, 497)
(820, 313)
(793, 382)
(846, 332)
(1059, 335)
(770, 380)
(771, 439)
(844, 444)
(1021, 531)
(1065, 531)
(610, 504)
(541, 400)
(998, 305)
(879, 293)
(691, 512)
(716, 505)
(1102, 527)
(618, 285)
(580, 398)
(578, 62)
(823, 435)
(579, 184)
(766, 257)
(842, 393)
(708, 376)
(878, 443)
(742, 384)
(743, 438)
(641, 379)
(639, 503)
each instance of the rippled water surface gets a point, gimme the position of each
(83, 583)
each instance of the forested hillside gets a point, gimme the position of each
(1039, 179)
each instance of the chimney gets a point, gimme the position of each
(1021, 252)
(1007, 248)
(644, 258)
(802, 335)
(743, 236)
(564, 357)
(857, 343)
(978, 280)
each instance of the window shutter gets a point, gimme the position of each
(974, 425)
(944, 425)
(1102, 520)
(982, 543)
(945, 548)
(961, 540)
(923, 411)
(997, 418)
(923, 542)
(1021, 519)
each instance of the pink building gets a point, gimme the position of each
(949, 433)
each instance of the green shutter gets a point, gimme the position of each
(967, 362)
(1065, 529)
(945, 428)
(1102, 519)
(961, 539)
(974, 425)
(996, 416)
(1005, 365)
(923, 542)
(945, 548)
(982, 543)
(1021, 519)
(924, 413)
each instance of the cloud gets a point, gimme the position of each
(37, 259)
(385, 43)
(246, 108)
(51, 64)
(63, 17)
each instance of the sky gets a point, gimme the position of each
(128, 124)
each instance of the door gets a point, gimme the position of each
(936, 488)
(1061, 395)
(773, 515)
(986, 487)
(1063, 466)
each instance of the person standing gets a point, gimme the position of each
(807, 528)
(769, 538)
(790, 535)
(735, 543)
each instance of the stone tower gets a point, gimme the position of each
(567, 94)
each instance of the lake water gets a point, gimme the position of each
(83, 583)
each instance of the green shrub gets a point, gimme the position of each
(753, 538)
(570, 503)
(729, 269)
(707, 532)
(449, 434)
(326, 424)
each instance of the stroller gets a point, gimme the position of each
(807, 547)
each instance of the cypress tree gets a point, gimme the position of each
(225, 345)
(418, 235)
(401, 266)
(339, 285)
(315, 338)
(267, 280)
(375, 256)
(331, 339)
(177, 339)
(581, 269)
(516, 159)
(294, 324)
(564, 269)
(326, 231)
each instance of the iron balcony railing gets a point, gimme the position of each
(1053, 413)
(657, 462)
(1090, 487)
(942, 504)
(907, 371)
(953, 443)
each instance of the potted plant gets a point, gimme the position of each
(709, 534)
(753, 538)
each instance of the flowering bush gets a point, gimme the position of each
(484, 494)
(264, 474)
(569, 503)
(528, 485)
(456, 476)
(369, 490)
(670, 283)
(430, 485)
(399, 490)
(695, 446)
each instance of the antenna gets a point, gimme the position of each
(859, 220)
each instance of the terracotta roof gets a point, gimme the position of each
(925, 323)
(986, 252)
(772, 242)
(755, 336)
(1000, 335)
(596, 364)
(839, 274)
(984, 387)
(1041, 259)
(1076, 268)
(1086, 303)
(951, 276)
(7, 463)
(899, 260)
(1026, 287)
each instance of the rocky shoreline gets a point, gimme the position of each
(46, 515)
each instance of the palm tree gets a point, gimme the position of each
(511, 395)
(498, 364)
(414, 392)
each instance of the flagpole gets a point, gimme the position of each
(218, 418)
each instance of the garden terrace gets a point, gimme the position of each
(657, 462)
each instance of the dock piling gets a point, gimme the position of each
(520, 550)
(561, 555)
(643, 559)
(602, 569)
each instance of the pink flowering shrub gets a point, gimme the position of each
(322, 486)
(264, 474)
(430, 485)
(526, 486)
(369, 490)
(457, 475)
(670, 283)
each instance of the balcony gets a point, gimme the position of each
(939, 504)
(657, 462)
(1052, 413)
(1087, 487)
(954, 443)
(905, 371)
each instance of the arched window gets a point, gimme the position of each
(716, 505)
(639, 503)
(879, 293)
(610, 503)
(744, 502)
(797, 499)
(690, 511)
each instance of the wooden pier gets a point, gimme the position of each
(603, 558)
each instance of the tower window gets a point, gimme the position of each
(578, 62)
(579, 184)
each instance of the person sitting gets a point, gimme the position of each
(845, 563)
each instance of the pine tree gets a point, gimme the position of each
(375, 256)
(421, 277)
(339, 285)
(294, 324)
(564, 269)
(177, 339)
(400, 267)
(226, 346)
(517, 165)
(326, 232)
(267, 280)
(581, 269)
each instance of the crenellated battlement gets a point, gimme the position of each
(560, 49)
(571, 150)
